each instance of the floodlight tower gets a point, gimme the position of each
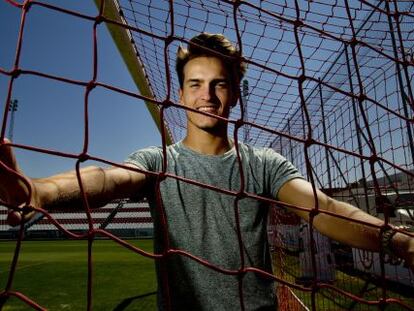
(245, 93)
(12, 108)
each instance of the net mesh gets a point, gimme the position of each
(329, 86)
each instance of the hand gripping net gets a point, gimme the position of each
(329, 86)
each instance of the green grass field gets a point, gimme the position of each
(359, 285)
(54, 274)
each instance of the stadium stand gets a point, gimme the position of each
(124, 218)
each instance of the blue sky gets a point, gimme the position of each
(50, 113)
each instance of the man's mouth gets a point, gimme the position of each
(209, 109)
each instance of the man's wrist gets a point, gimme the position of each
(395, 243)
(387, 245)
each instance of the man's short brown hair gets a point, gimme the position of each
(219, 44)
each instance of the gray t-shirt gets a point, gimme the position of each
(203, 223)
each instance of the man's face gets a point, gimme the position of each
(206, 87)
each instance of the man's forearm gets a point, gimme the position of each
(353, 226)
(365, 235)
(100, 186)
(357, 229)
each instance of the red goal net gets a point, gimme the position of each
(329, 86)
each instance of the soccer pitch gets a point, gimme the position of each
(55, 273)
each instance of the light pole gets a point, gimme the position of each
(245, 93)
(13, 108)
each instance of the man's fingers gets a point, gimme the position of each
(7, 155)
(14, 186)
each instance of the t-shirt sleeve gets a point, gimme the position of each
(147, 159)
(280, 171)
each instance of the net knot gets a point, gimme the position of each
(309, 142)
(373, 158)
(239, 123)
(241, 273)
(90, 86)
(161, 176)
(91, 233)
(236, 3)
(396, 15)
(353, 42)
(301, 78)
(15, 73)
(298, 23)
(167, 103)
(362, 97)
(168, 39)
(313, 213)
(241, 195)
(83, 157)
(99, 19)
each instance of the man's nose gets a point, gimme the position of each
(208, 92)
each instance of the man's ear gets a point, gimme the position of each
(236, 96)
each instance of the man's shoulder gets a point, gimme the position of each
(158, 150)
(150, 150)
(146, 158)
(258, 152)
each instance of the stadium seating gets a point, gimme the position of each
(124, 218)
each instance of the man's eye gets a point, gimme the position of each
(222, 85)
(195, 85)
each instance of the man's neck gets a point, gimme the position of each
(206, 143)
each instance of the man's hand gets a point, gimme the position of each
(403, 246)
(16, 190)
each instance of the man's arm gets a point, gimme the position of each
(299, 192)
(100, 185)
(62, 190)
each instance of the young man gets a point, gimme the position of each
(203, 222)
